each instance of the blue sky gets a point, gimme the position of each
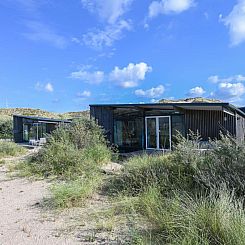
(64, 55)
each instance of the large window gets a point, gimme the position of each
(128, 134)
(34, 131)
(178, 126)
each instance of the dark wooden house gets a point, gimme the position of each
(153, 126)
(26, 128)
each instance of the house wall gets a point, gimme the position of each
(240, 128)
(18, 129)
(209, 124)
(104, 117)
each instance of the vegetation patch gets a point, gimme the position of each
(6, 127)
(8, 149)
(74, 193)
(188, 196)
(73, 156)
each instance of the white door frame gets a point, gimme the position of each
(158, 132)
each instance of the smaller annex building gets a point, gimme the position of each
(135, 127)
(27, 128)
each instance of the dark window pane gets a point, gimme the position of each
(164, 134)
(151, 133)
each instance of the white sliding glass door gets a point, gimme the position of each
(158, 132)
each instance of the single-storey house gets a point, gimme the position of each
(27, 128)
(153, 126)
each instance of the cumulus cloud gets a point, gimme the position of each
(108, 10)
(151, 93)
(94, 77)
(105, 38)
(196, 92)
(229, 91)
(169, 7)
(48, 87)
(84, 94)
(129, 77)
(235, 21)
(39, 32)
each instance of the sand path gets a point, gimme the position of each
(22, 220)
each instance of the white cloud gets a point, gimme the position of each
(105, 38)
(217, 79)
(94, 77)
(229, 91)
(196, 92)
(48, 87)
(213, 79)
(41, 33)
(169, 7)
(111, 12)
(108, 10)
(235, 21)
(151, 93)
(85, 93)
(128, 77)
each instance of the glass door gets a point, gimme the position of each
(164, 133)
(151, 134)
(158, 133)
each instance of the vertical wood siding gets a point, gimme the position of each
(104, 117)
(18, 129)
(209, 124)
(240, 132)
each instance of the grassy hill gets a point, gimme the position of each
(9, 112)
(190, 100)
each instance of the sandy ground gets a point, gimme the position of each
(22, 220)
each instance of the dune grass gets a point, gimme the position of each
(8, 149)
(186, 197)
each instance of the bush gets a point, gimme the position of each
(10, 149)
(6, 127)
(73, 150)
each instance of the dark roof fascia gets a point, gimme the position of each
(223, 104)
(42, 118)
(237, 110)
(160, 104)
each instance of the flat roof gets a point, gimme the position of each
(43, 118)
(184, 105)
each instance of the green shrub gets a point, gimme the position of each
(73, 150)
(6, 127)
(10, 149)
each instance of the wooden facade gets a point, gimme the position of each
(208, 119)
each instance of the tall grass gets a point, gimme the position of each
(188, 196)
(8, 149)
(74, 193)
